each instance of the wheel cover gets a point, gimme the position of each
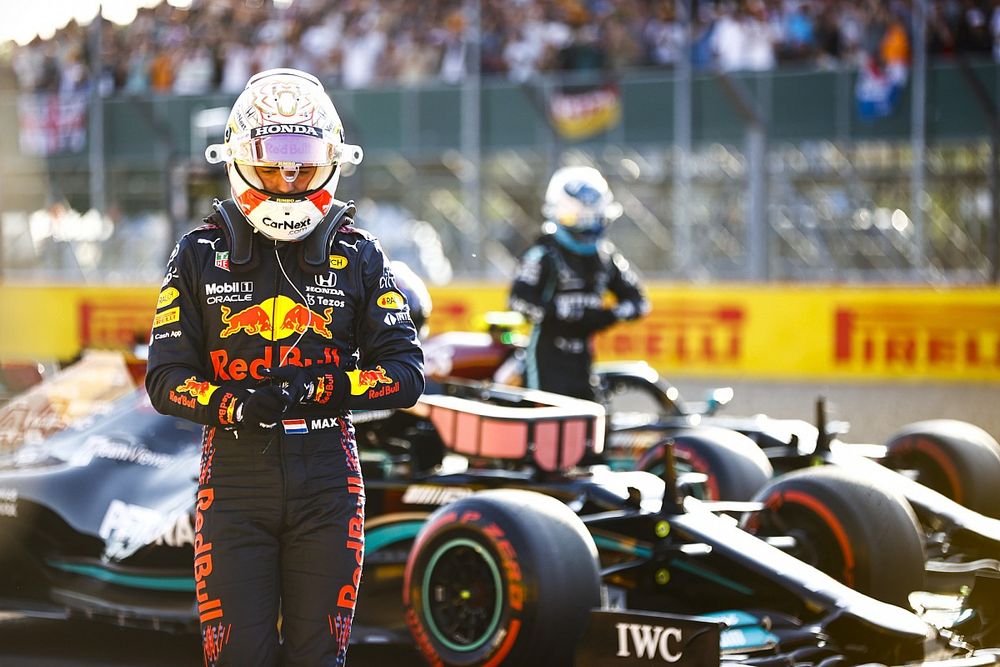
(463, 591)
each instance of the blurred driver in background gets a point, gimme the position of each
(275, 319)
(562, 280)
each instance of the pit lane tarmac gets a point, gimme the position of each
(27, 642)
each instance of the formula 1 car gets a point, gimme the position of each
(947, 472)
(482, 515)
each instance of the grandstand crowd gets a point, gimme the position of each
(214, 45)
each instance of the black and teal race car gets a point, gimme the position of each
(494, 535)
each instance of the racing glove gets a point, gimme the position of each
(583, 324)
(323, 385)
(261, 408)
(231, 406)
(597, 319)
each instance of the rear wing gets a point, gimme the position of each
(549, 431)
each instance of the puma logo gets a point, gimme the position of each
(207, 242)
(352, 246)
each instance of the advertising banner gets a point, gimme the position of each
(766, 332)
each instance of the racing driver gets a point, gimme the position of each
(276, 318)
(562, 280)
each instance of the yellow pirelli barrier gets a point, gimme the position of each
(51, 321)
(779, 332)
(790, 332)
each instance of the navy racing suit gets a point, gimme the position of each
(562, 294)
(279, 514)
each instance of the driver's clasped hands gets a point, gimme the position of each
(263, 407)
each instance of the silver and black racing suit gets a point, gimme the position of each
(562, 294)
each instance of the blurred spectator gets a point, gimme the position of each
(973, 34)
(760, 37)
(995, 29)
(584, 51)
(214, 44)
(894, 50)
(418, 58)
(522, 56)
(829, 41)
(454, 46)
(137, 71)
(195, 73)
(743, 39)
(664, 35)
(161, 72)
(237, 66)
(798, 32)
(361, 48)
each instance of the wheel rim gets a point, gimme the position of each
(815, 543)
(925, 470)
(464, 595)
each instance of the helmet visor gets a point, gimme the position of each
(277, 149)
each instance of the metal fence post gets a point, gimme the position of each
(687, 256)
(757, 223)
(95, 138)
(471, 139)
(918, 131)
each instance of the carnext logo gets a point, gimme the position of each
(649, 641)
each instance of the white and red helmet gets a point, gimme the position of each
(284, 119)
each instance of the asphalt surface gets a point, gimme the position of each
(875, 410)
(58, 643)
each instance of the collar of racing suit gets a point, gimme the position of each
(314, 250)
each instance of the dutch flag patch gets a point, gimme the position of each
(294, 426)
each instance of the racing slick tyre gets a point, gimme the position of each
(502, 576)
(862, 535)
(735, 467)
(955, 458)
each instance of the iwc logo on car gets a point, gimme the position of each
(626, 638)
(649, 642)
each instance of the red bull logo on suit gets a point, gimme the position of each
(274, 319)
(364, 379)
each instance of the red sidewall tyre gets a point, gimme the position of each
(735, 466)
(955, 458)
(863, 535)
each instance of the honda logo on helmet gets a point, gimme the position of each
(284, 129)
